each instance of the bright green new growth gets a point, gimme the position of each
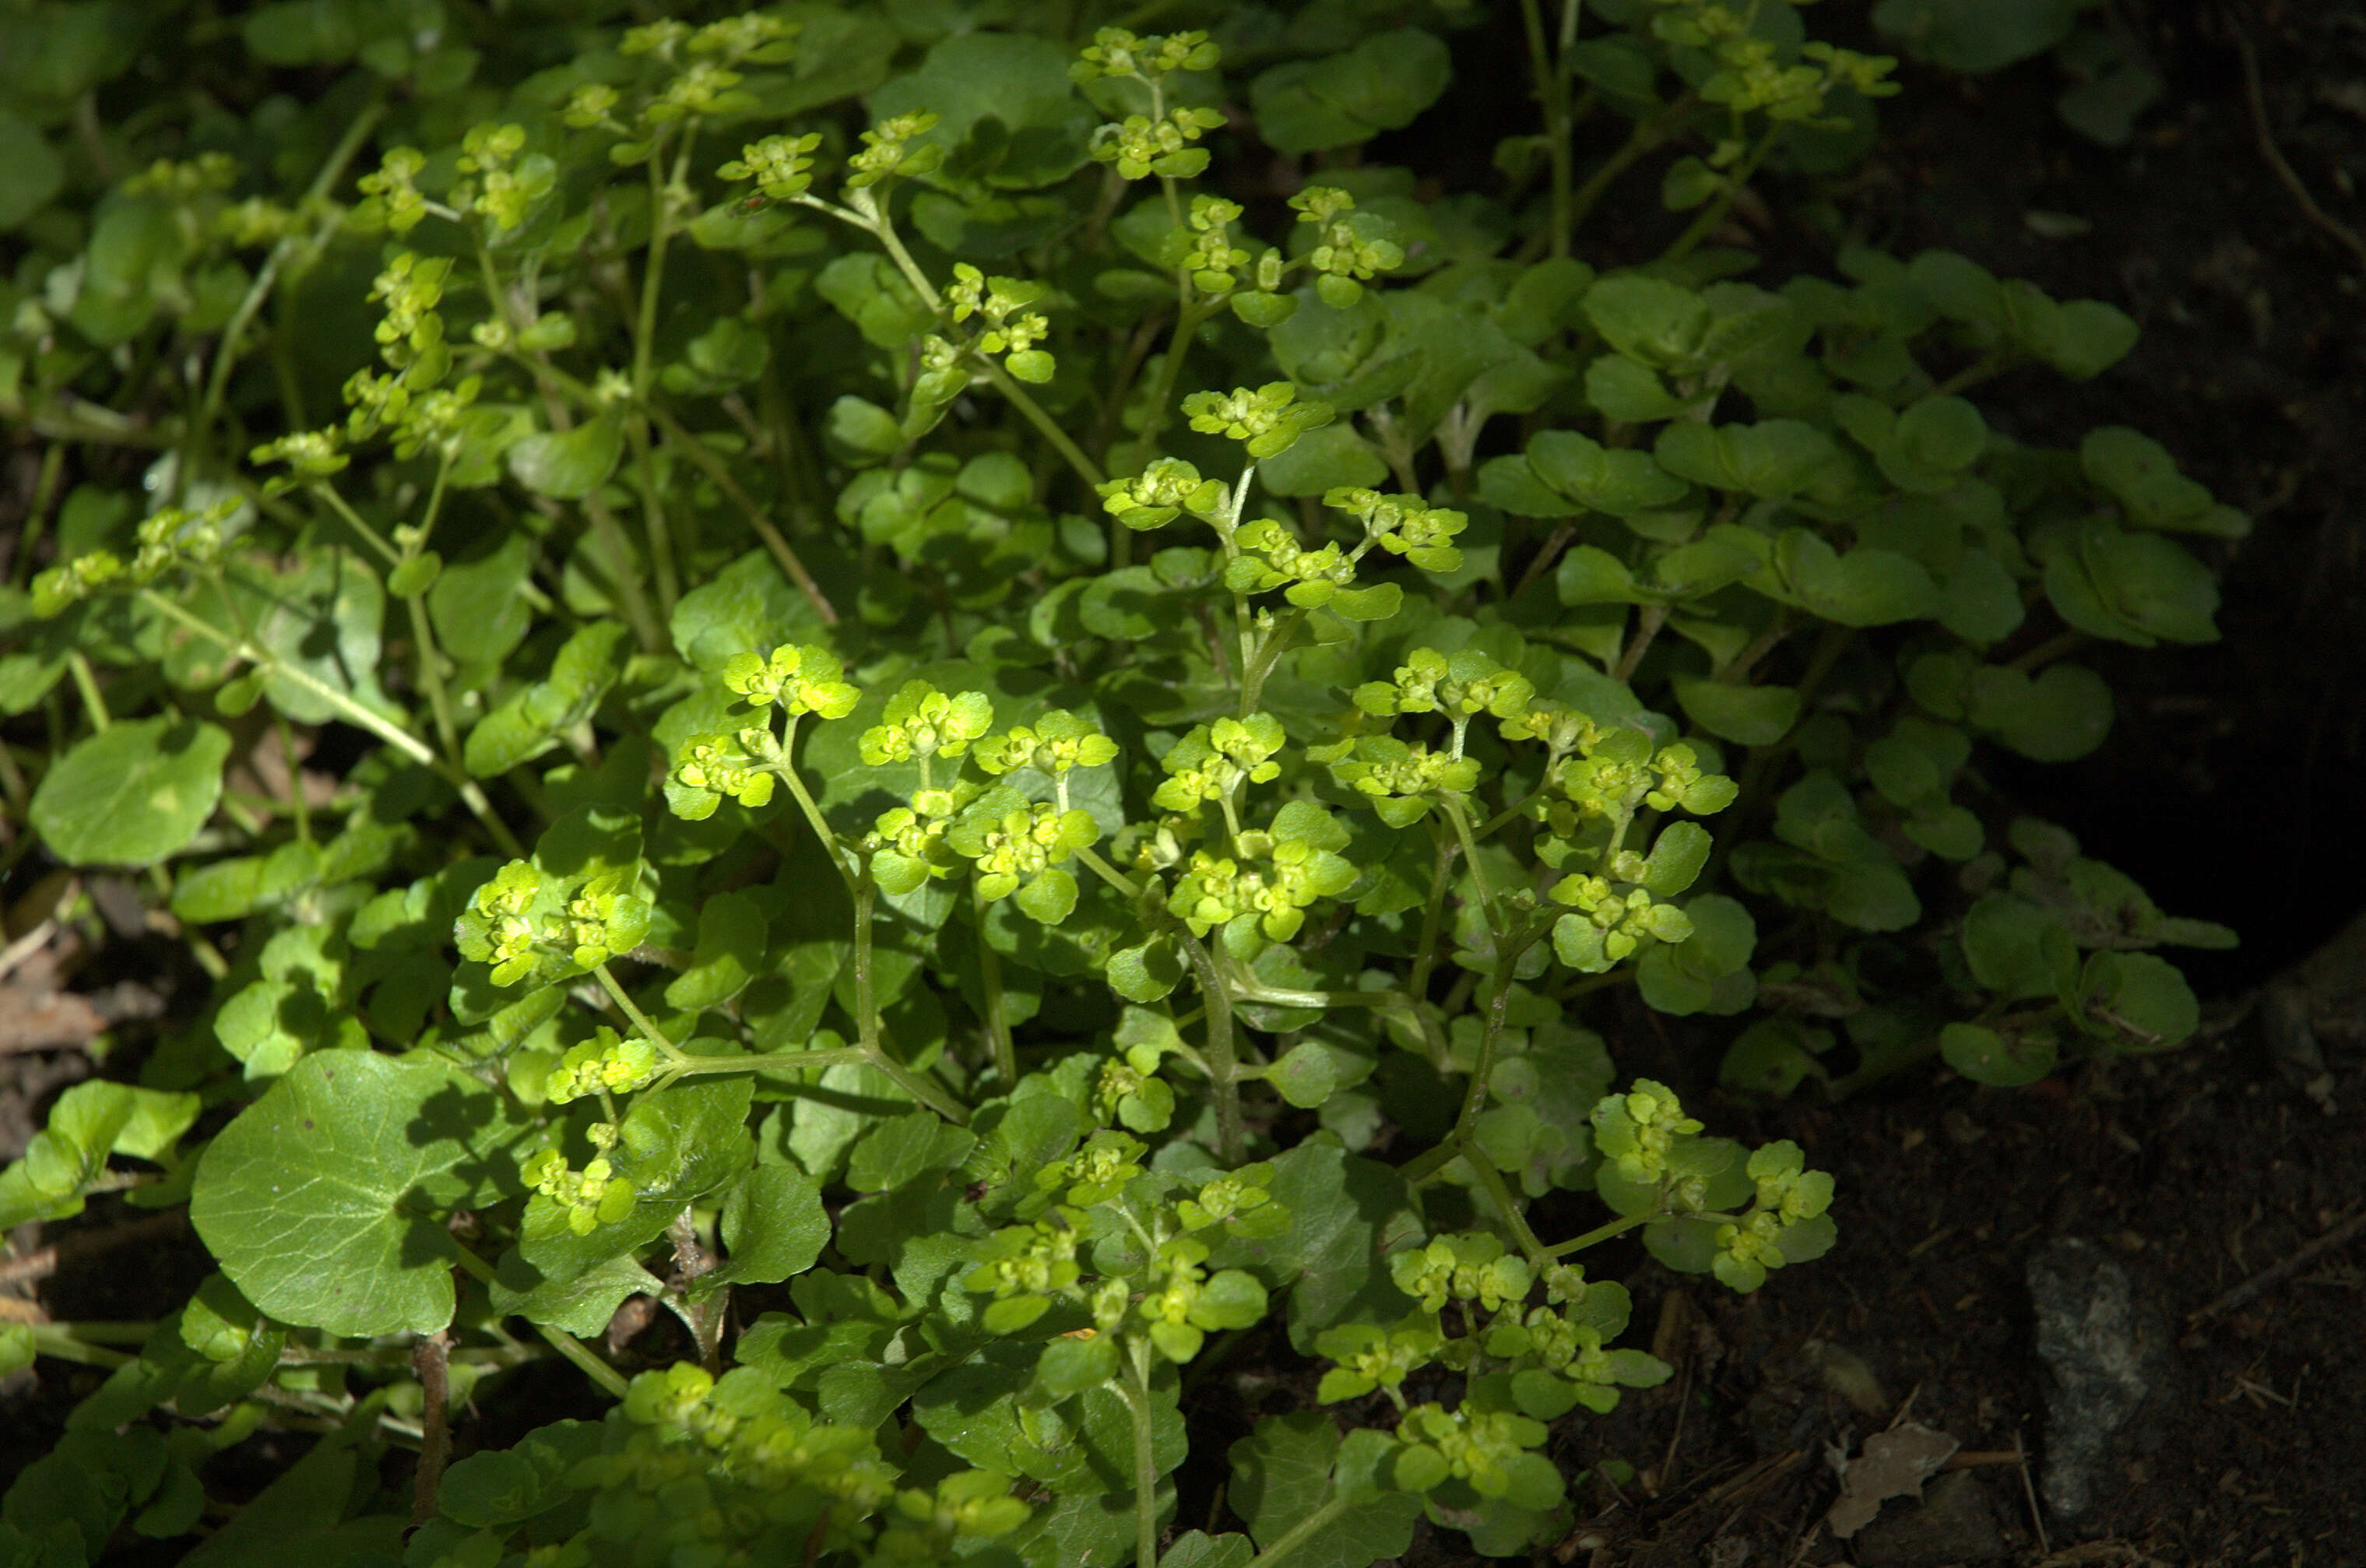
(823, 819)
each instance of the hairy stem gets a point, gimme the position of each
(989, 978)
(1145, 1460)
(1223, 1066)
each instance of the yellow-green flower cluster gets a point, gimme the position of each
(1268, 419)
(1054, 743)
(798, 679)
(604, 1063)
(1213, 761)
(590, 1197)
(1010, 326)
(1139, 146)
(781, 166)
(921, 723)
(1635, 1129)
(1473, 1267)
(1349, 246)
(1405, 525)
(1114, 51)
(887, 152)
(1161, 492)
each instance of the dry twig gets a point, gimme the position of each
(2284, 173)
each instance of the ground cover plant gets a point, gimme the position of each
(988, 686)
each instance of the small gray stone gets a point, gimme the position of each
(2105, 1351)
(1954, 1523)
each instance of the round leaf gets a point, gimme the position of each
(2004, 1061)
(326, 1200)
(133, 795)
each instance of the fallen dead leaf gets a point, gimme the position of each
(1894, 1464)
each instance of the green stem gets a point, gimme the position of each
(297, 807)
(1145, 1460)
(1597, 1235)
(226, 352)
(689, 1066)
(1425, 957)
(1109, 873)
(1282, 997)
(1223, 1066)
(786, 771)
(1188, 321)
(640, 1019)
(1299, 1534)
(1714, 213)
(37, 516)
(1647, 134)
(71, 1342)
(352, 713)
(326, 492)
(1062, 443)
(653, 517)
(1271, 646)
(711, 463)
(1647, 627)
(85, 682)
(1552, 97)
(591, 1366)
(1492, 1180)
(866, 1008)
(989, 971)
(1454, 814)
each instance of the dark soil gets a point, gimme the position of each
(2226, 789)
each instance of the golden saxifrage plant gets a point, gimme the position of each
(992, 711)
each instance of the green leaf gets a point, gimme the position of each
(323, 617)
(1147, 973)
(1750, 715)
(1345, 1215)
(479, 607)
(1773, 1056)
(903, 1147)
(325, 1201)
(1676, 858)
(1284, 1471)
(1977, 36)
(1305, 1074)
(89, 1121)
(1774, 458)
(1867, 587)
(569, 465)
(2059, 717)
(748, 608)
(1005, 110)
(507, 1486)
(1622, 390)
(2132, 588)
(2139, 1000)
(1322, 459)
(774, 1226)
(1603, 478)
(30, 172)
(731, 939)
(1649, 320)
(2005, 940)
(133, 795)
(1380, 85)
(2000, 1061)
